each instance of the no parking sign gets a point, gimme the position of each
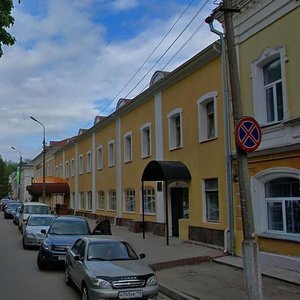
(248, 134)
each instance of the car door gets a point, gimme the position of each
(74, 251)
(75, 264)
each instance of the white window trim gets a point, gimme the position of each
(144, 153)
(259, 109)
(72, 167)
(172, 137)
(204, 207)
(258, 200)
(98, 207)
(67, 169)
(142, 199)
(127, 155)
(100, 159)
(111, 154)
(80, 164)
(125, 201)
(109, 199)
(202, 116)
(89, 162)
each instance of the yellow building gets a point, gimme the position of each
(267, 46)
(179, 118)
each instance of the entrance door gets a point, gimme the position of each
(178, 205)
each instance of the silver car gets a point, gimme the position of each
(32, 235)
(107, 268)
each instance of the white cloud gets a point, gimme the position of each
(124, 4)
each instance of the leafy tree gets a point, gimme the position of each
(6, 168)
(6, 20)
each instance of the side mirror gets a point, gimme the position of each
(77, 258)
(44, 231)
(142, 255)
(97, 232)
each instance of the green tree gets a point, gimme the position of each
(6, 168)
(6, 20)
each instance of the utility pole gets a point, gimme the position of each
(252, 275)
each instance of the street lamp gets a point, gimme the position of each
(44, 156)
(19, 173)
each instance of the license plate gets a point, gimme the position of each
(61, 257)
(129, 295)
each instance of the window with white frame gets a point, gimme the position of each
(111, 154)
(72, 167)
(81, 200)
(149, 200)
(146, 140)
(67, 169)
(211, 200)
(268, 78)
(207, 116)
(112, 200)
(128, 147)
(73, 200)
(89, 162)
(282, 197)
(175, 129)
(100, 200)
(100, 158)
(129, 204)
(80, 169)
(89, 201)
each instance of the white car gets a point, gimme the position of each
(29, 208)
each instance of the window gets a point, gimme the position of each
(146, 140)
(67, 170)
(73, 200)
(88, 162)
(112, 203)
(128, 147)
(72, 167)
(111, 153)
(80, 164)
(100, 200)
(207, 116)
(211, 200)
(100, 158)
(149, 200)
(268, 73)
(81, 200)
(282, 197)
(129, 200)
(89, 201)
(273, 91)
(175, 129)
(60, 170)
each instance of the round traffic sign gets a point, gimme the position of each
(248, 134)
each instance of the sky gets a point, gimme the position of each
(73, 60)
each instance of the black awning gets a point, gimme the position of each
(166, 170)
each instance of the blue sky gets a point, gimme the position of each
(72, 58)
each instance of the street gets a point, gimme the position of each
(20, 276)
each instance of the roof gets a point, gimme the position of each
(166, 170)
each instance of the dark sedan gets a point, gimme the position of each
(10, 207)
(63, 232)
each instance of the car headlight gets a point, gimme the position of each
(152, 280)
(46, 245)
(101, 283)
(29, 234)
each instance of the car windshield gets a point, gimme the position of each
(115, 250)
(40, 221)
(69, 227)
(36, 209)
(13, 205)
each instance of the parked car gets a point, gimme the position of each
(3, 202)
(61, 235)
(32, 235)
(10, 207)
(106, 268)
(29, 208)
(16, 214)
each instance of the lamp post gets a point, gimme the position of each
(44, 156)
(19, 173)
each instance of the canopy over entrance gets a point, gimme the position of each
(53, 185)
(164, 171)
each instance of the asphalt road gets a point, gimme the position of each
(20, 278)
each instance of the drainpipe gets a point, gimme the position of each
(229, 232)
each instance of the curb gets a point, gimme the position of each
(174, 294)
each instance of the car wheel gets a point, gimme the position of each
(84, 292)
(24, 245)
(41, 264)
(68, 280)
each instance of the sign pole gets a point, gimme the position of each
(252, 275)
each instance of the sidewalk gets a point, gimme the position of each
(181, 266)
